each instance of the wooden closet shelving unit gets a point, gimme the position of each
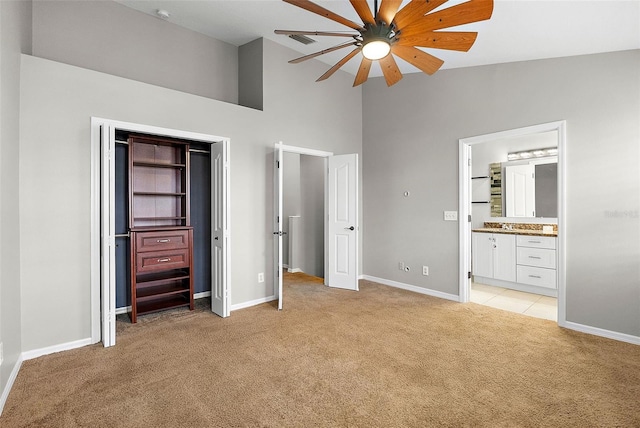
(159, 225)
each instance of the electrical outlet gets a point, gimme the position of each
(401, 265)
(451, 215)
(407, 268)
(425, 270)
(261, 277)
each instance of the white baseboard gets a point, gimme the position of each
(9, 385)
(196, 296)
(29, 355)
(253, 303)
(622, 337)
(413, 288)
(294, 270)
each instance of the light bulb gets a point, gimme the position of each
(376, 49)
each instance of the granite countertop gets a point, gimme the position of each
(514, 231)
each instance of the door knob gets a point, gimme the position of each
(349, 228)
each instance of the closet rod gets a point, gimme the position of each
(122, 142)
(121, 235)
(199, 151)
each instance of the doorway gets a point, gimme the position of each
(465, 205)
(340, 223)
(103, 227)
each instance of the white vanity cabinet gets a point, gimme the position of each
(521, 262)
(536, 258)
(494, 255)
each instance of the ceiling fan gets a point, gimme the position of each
(394, 31)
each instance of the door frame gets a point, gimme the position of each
(101, 215)
(464, 181)
(279, 146)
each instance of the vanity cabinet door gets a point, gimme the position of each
(482, 252)
(504, 257)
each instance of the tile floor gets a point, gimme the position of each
(533, 305)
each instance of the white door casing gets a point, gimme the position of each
(465, 207)
(219, 240)
(343, 221)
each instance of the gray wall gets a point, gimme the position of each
(112, 38)
(312, 180)
(304, 196)
(250, 84)
(414, 146)
(290, 197)
(15, 37)
(58, 101)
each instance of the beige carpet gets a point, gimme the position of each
(381, 357)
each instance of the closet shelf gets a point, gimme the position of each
(159, 165)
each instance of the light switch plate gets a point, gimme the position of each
(451, 215)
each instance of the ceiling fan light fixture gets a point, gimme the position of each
(376, 49)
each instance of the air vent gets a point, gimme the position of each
(302, 39)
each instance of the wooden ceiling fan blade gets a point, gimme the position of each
(314, 33)
(464, 13)
(322, 52)
(449, 40)
(363, 72)
(414, 56)
(363, 11)
(312, 7)
(390, 70)
(339, 64)
(414, 10)
(388, 10)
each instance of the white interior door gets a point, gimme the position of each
(520, 191)
(343, 221)
(278, 183)
(219, 228)
(108, 240)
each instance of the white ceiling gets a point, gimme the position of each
(519, 30)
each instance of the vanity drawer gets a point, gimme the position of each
(536, 241)
(540, 277)
(539, 257)
(162, 240)
(162, 260)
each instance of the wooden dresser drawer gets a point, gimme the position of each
(162, 260)
(162, 240)
(539, 257)
(540, 277)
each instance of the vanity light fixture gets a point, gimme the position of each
(537, 153)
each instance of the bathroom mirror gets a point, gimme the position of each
(521, 185)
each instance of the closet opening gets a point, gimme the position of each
(201, 205)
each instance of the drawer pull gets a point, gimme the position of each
(168, 259)
(535, 257)
(535, 276)
(161, 241)
(535, 242)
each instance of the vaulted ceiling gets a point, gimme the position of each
(519, 30)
